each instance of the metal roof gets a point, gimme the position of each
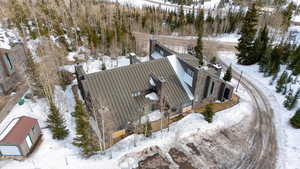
(113, 88)
(18, 131)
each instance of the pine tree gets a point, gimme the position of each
(291, 100)
(213, 60)
(295, 120)
(84, 134)
(199, 27)
(103, 67)
(199, 23)
(147, 129)
(56, 123)
(281, 82)
(287, 15)
(246, 42)
(199, 48)
(275, 60)
(228, 75)
(260, 45)
(181, 21)
(208, 113)
(294, 61)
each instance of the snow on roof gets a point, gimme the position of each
(6, 37)
(152, 96)
(156, 55)
(180, 74)
(188, 79)
(296, 18)
(152, 82)
(153, 116)
(8, 128)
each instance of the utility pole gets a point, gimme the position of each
(239, 81)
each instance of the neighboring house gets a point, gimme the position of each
(12, 62)
(120, 96)
(19, 137)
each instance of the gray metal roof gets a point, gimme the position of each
(114, 88)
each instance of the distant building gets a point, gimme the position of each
(12, 62)
(119, 96)
(19, 137)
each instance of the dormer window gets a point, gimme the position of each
(136, 94)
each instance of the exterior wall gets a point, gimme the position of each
(9, 78)
(15, 150)
(203, 89)
(34, 135)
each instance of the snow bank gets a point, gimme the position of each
(95, 65)
(152, 96)
(287, 137)
(8, 128)
(232, 37)
(8, 36)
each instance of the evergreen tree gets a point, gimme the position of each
(199, 27)
(181, 21)
(208, 113)
(199, 48)
(281, 82)
(294, 61)
(147, 129)
(295, 120)
(213, 60)
(260, 45)
(264, 62)
(84, 134)
(56, 123)
(228, 75)
(246, 42)
(103, 67)
(199, 23)
(274, 61)
(291, 100)
(287, 15)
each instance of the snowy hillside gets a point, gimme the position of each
(288, 137)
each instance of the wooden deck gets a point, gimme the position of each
(164, 123)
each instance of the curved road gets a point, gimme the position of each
(262, 143)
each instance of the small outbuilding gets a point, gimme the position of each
(19, 137)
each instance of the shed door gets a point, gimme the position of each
(29, 142)
(10, 151)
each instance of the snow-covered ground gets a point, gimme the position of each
(163, 4)
(8, 36)
(53, 154)
(288, 137)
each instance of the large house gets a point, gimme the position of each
(119, 96)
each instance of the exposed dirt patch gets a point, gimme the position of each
(155, 161)
(180, 159)
(194, 148)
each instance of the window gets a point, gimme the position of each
(9, 62)
(212, 88)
